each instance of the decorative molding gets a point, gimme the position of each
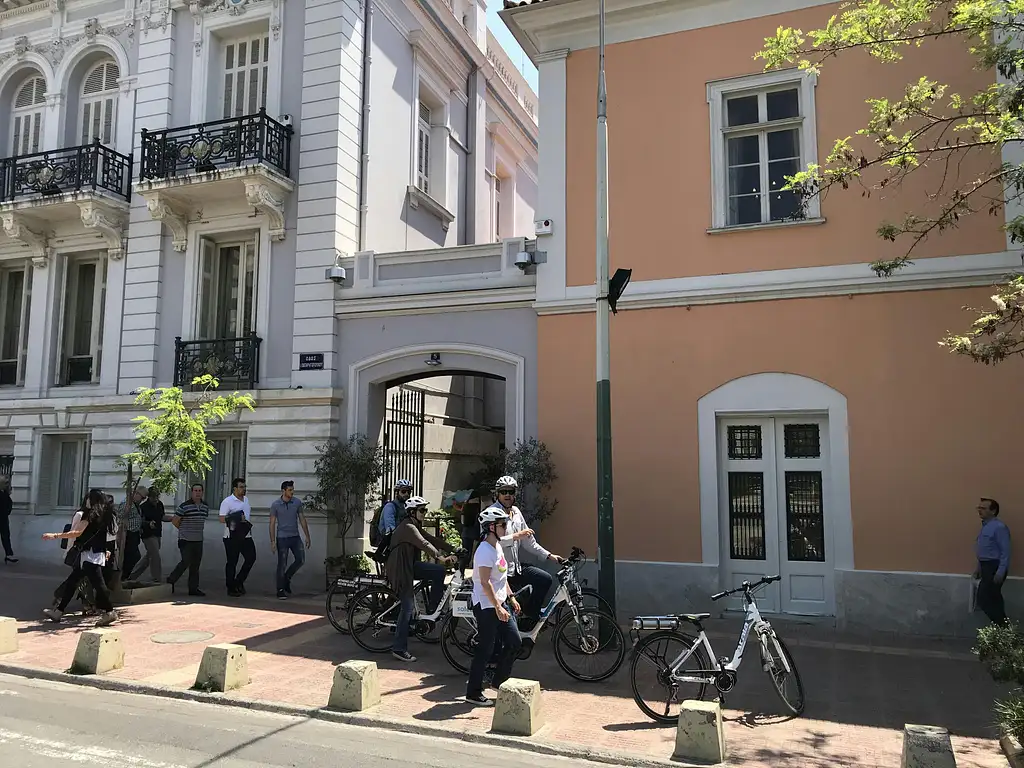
(418, 197)
(266, 198)
(168, 213)
(37, 242)
(555, 55)
(111, 223)
(55, 48)
(454, 73)
(275, 18)
(156, 14)
(54, 100)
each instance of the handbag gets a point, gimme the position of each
(64, 542)
(73, 558)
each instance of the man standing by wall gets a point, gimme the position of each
(285, 518)
(129, 519)
(190, 520)
(236, 514)
(6, 507)
(993, 551)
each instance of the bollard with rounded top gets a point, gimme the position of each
(699, 734)
(224, 667)
(356, 686)
(927, 746)
(98, 651)
(8, 635)
(518, 710)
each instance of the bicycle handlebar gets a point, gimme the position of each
(746, 587)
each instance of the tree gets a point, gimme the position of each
(173, 445)
(530, 463)
(1001, 649)
(929, 125)
(347, 476)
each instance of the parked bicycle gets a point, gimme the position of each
(586, 633)
(695, 663)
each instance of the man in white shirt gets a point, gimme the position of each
(236, 514)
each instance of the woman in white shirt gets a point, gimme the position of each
(496, 625)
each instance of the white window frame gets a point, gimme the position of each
(211, 245)
(237, 445)
(437, 99)
(71, 262)
(240, 70)
(82, 468)
(35, 110)
(105, 99)
(717, 93)
(6, 269)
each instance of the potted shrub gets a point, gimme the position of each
(1001, 649)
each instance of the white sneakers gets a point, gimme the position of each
(105, 619)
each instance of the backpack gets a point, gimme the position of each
(376, 537)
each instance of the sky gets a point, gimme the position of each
(520, 59)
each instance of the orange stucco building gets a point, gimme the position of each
(777, 408)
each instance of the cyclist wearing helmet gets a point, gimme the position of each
(394, 510)
(497, 633)
(407, 541)
(520, 575)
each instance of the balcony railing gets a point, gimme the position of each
(75, 169)
(230, 361)
(219, 145)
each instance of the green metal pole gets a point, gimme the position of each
(605, 516)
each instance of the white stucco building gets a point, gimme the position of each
(177, 178)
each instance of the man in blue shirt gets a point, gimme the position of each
(993, 551)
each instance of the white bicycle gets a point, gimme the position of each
(674, 659)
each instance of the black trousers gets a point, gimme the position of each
(534, 602)
(132, 539)
(94, 573)
(191, 557)
(990, 593)
(5, 534)
(233, 549)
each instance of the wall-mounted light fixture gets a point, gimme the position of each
(435, 359)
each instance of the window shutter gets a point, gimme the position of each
(26, 123)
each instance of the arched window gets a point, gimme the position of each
(99, 103)
(27, 116)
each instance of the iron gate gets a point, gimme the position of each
(403, 440)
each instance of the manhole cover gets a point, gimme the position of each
(181, 636)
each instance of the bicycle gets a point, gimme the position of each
(343, 588)
(776, 659)
(375, 632)
(597, 630)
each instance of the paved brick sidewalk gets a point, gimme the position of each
(860, 692)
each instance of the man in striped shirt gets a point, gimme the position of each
(190, 520)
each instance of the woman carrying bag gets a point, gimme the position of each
(87, 556)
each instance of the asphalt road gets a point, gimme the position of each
(45, 725)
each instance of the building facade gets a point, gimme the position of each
(776, 407)
(179, 181)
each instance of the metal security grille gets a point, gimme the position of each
(802, 441)
(403, 440)
(746, 516)
(745, 442)
(805, 517)
(6, 465)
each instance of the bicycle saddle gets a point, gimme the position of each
(693, 618)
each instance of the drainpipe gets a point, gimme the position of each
(470, 179)
(364, 122)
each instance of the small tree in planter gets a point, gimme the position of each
(529, 462)
(347, 476)
(1001, 649)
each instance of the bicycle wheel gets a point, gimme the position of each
(427, 632)
(777, 651)
(594, 639)
(337, 607)
(372, 615)
(458, 642)
(651, 671)
(591, 599)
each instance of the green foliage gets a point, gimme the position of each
(929, 124)
(350, 564)
(1001, 649)
(348, 474)
(447, 527)
(173, 444)
(530, 463)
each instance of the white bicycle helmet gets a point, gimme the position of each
(415, 502)
(403, 485)
(506, 481)
(492, 515)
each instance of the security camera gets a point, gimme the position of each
(523, 260)
(336, 273)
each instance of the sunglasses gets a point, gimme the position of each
(506, 493)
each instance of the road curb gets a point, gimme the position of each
(608, 757)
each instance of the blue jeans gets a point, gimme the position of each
(494, 637)
(433, 574)
(408, 608)
(285, 545)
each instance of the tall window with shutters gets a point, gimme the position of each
(227, 290)
(82, 333)
(99, 104)
(423, 149)
(27, 116)
(246, 66)
(16, 298)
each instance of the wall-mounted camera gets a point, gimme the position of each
(286, 121)
(336, 274)
(524, 260)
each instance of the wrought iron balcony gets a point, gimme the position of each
(235, 362)
(218, 145)
(92, 167)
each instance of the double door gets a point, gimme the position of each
(774, 506)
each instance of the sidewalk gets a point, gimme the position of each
(860, 690)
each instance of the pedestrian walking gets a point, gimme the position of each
(129, 519)
(153, 519)
(87, 557)
(285, 518)
(190, 520)
(6, 507)
(992, 548)
(236, 514)
(88, 608)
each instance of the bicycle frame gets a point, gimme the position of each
(454, 585)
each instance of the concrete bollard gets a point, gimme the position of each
(518, 710)
(927, 746)
(699, 735)
(8, 635)
(356, 686)
(224, 667)
(98, 651)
